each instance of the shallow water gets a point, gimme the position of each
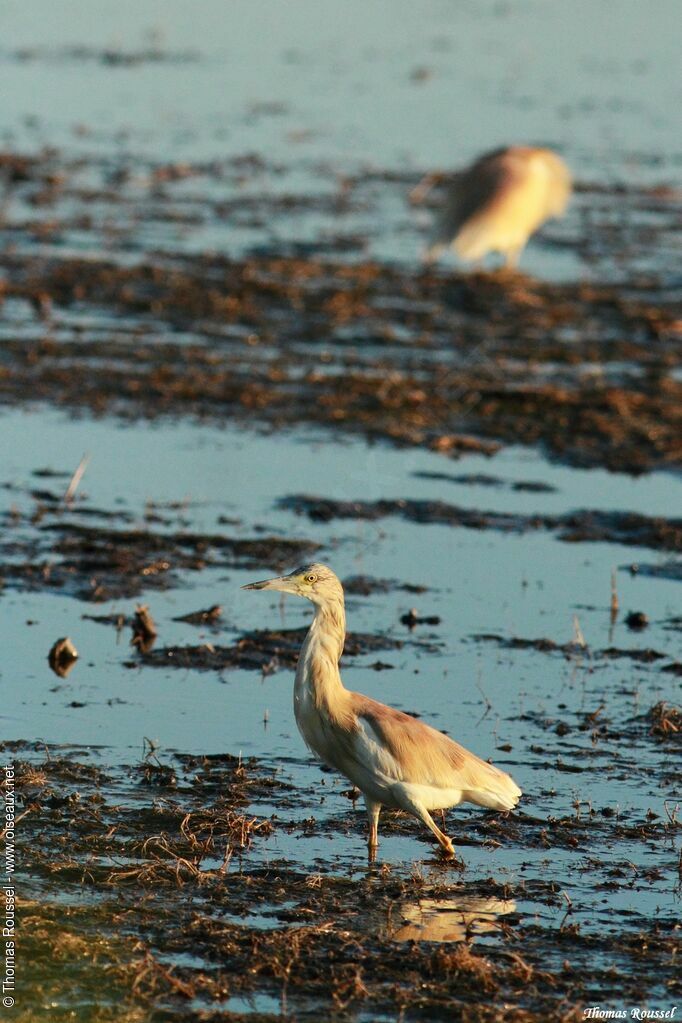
(486, 696)
(539, 583)
(308, 97)
(349, 79)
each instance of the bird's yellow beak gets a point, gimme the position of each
(283, 583)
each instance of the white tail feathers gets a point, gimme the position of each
(500, 792)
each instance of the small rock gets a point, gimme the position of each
(62, 657)
(637, 620)
(208, 616)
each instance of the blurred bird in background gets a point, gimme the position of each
(498, 202)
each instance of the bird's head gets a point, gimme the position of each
(314, 582)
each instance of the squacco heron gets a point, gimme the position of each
(394, 759)
(497, 203)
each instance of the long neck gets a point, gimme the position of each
(318, 663)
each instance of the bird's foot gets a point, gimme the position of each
(448, 854)
(448, 857)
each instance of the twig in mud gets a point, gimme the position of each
(578, 638)
(149, 748)
(569, 910)
(614, 598)
(671, 815)
(488, 704)
(227, 858)
(524, 970)
(592, 717)
(346, 991)
(152, 969)
(76, 478)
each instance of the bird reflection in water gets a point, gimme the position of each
(452, 919)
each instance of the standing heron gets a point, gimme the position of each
(497, 203)
(394, 760)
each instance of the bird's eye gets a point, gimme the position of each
(310, 578)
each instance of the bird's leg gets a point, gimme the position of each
(443, 840)
(373, 811)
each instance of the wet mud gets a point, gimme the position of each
(98, 563)
(265, 651)
(162, 858)
(450, 362)
(592, 526)
(579, 650)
